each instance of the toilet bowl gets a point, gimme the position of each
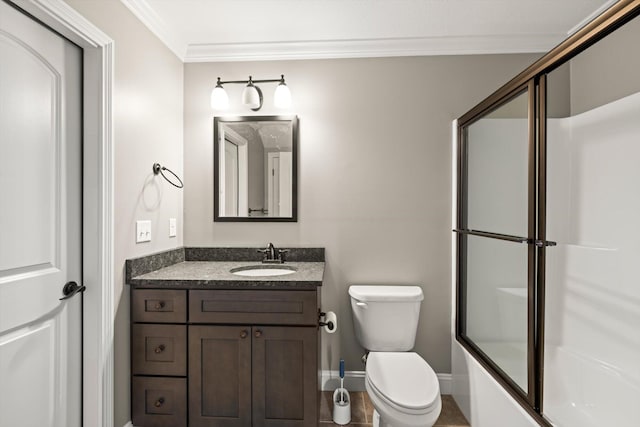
(403, 389)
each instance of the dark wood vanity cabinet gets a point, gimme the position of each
(252, 376)
(246, 358)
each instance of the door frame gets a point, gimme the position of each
(97, 203)
(243, 169)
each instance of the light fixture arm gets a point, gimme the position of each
(251, 80)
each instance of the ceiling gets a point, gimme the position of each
(274, 136)
(244, 30)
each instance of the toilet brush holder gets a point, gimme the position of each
(341, 406)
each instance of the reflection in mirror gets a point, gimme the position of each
(255, 168)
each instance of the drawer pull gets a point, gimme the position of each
(160, 305)
(159, 402)
(258, 333)
(244, 334)
(160, 348)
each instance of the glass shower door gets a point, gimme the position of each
(494, 230)
(592, 309)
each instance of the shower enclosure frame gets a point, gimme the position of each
(532, 81)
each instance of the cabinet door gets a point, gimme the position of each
(285, 376)
(219, 376)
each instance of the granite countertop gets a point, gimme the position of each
(210, 268)
(216, 274)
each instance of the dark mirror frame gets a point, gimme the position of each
(216, 168)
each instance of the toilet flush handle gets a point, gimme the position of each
(361, 304)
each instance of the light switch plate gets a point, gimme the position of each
(172, 227)
(143, 231)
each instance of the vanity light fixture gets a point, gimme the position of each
(252, 95)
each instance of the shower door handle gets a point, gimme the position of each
(541, 243)
(516, 239)
(507, 237)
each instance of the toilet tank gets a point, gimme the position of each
(385, 318)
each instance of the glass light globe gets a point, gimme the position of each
(282, 96)
(219, 98)
(251, 96)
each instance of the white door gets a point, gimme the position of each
(280, 183)
(40, 224)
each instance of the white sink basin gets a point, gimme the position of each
(263, 270)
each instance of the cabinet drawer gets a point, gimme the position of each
(159, 402)
(253, 307)
(159, 350)
(158, 306)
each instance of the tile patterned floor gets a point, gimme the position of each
(362, 411)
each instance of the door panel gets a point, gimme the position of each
(219, 376)
(284, 376)
(497, 256)
(497, 169)
(496, 303)
(40, 223)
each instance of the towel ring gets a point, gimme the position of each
(157, 169)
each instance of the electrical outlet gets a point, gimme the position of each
(143, 231)
(172, 227)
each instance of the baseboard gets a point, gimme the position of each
(446, 383)
(354, 381)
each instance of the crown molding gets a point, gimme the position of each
(591, 16)
(349, 48)
(144, 12)
(415, 46)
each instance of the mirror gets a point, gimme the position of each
(255, 168)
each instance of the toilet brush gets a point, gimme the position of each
(341, 401)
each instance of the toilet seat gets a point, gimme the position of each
(404, 381)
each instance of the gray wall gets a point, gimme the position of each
(374, 175)
(148, 102)
(607, 71)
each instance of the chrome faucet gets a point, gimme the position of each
(271, 252)
(273, 255)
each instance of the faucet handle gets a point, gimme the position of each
(281, 254)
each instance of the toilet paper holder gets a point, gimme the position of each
(328, 324)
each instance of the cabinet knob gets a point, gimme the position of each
(160, 348)
(258, 333)
(159, 305)
(159, 402)
(244, 334)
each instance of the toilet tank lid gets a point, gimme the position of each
(386, 293)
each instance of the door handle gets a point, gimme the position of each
(70, 289)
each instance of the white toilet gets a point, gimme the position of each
(402, 386)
